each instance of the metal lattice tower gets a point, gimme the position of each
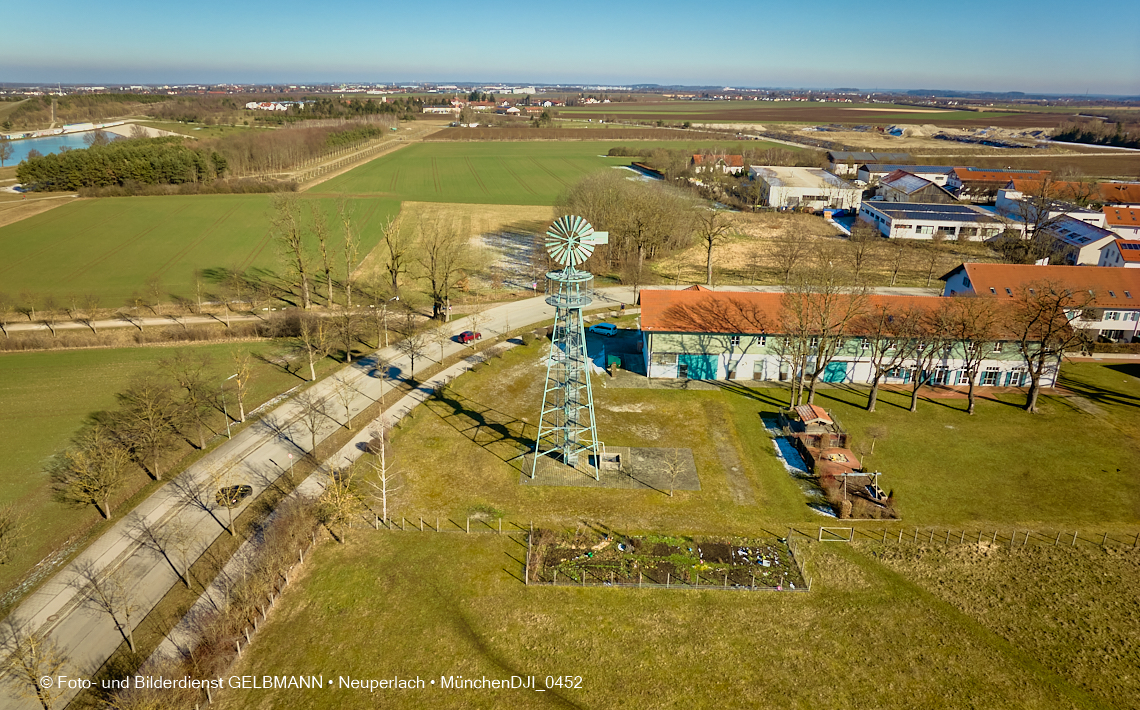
(567, 427)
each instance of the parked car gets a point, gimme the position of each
(606, 329)
(468, 336)
(231, 496)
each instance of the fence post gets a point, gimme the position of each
(666, 580)
(994, 541)
(1058, 540)
(238, 644)
(1074, 538)
(1104, 540)
(421, 523)
(900, 536)
(527, 580)
(754, 581)
(639, 580)
(437, 523)
(1026, 541)
(500, 526)
(468, 524)
(947, 537)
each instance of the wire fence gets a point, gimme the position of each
(1012, 538)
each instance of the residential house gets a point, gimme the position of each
(1022, 201)
(981, 185)
(1079, 242)
(1114, 312)
(810, 188)
(699, 334)
(847, 163)
(873, 172)
(1121, 252)
(728, 164)
(903, 220)
(1124, 221)
(901, 186)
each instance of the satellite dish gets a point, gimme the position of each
(569, 241)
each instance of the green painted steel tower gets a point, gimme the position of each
(567, 427)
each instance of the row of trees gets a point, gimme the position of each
(435, 250)
(179, 402)
(1098, 133)
(821, 316)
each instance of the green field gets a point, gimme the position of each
(47, 396)
(505, 173)
(112, 247)
(1065, 466)
(411, 604)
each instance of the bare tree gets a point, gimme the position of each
(172, 540)
(146, 420)
(899, 252)
(385, 483)
(350, 248)
(243, 363)
(321, 229)
(823, 308)
(313, 411)
(90, 471)
(289, 232)
(346, 330)
(1040, 322)
(791, 250)
(314, 339)
(930, 338)
(191, 372)
(339, 502)
(975, 324)
(440, 336)
(6, 311)
(344, 393)
(398, 246)
(13, 528)
(673, 466)
(444, 256)
(888, 340)
(89, 305)
(109, 593)
(712, 229)
(27, 657)
(477, 318)
(862, 248)
(414, 343)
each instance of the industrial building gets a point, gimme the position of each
(903, 220)
(813, 188)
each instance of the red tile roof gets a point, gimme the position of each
(1108, 192)
(1122, 216)
(1129, 250)
(994, 279)
(737, 312)
(732, 161)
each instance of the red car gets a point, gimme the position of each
(467, 336)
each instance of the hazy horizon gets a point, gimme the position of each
(968, 46)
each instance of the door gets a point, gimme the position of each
(835, 372)
(697, 367)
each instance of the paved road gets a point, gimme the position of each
(257, 456)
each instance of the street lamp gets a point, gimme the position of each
(224, 410)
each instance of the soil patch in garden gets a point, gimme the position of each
(603, 557)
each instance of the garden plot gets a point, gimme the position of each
(589, 556)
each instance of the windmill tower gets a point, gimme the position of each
(567, 428)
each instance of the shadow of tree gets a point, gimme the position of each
(497, 432)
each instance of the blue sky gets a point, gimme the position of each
(1016, 45)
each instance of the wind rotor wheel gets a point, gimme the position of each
(568, 241)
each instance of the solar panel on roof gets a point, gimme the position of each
(1130, 246)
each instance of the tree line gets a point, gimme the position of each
(36, 111)
(180, 402)
(146, 161)
(821, 315)
(1098, 133)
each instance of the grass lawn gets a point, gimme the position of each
(1001, 466)
(47, 396)
(518, 173)
(112, 247)
(419, 604)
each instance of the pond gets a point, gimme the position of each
(49, 144)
